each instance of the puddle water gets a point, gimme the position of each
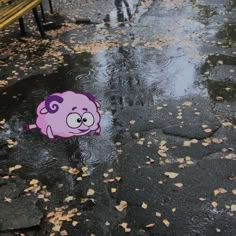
(120, 77)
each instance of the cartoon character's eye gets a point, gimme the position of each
(73, 120)
(88, 119)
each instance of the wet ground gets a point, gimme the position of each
(164, 163)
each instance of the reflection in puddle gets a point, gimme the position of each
(122, 13)
(227, 35)
(206, 13)
(221, 89)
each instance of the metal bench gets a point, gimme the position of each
(13, 10)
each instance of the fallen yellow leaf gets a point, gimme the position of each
(233, 207)
(187, 144)
(219, 190)
(132, 122)
(150, 225)
(187, 103)
(214, 204)
(171, 175)
(166, 222)
(121, 206)
(6, 199)
(125, 227)
(113, 190)
(34, 182)
(74, 223)
(158, 214)
(207, 130)
(144, 205)
(63, 233)
(16, 167)
(179, 185)
(90, 192)
(69, 199)
(56, 228)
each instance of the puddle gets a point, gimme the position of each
(118, 78)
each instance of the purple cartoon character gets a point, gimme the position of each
(68, 114)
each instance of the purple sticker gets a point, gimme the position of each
(68, 114)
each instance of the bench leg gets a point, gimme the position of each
(22, 26)
(42, 13)
(50, 5)
(38, 21)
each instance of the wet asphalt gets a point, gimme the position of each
(166, 81)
